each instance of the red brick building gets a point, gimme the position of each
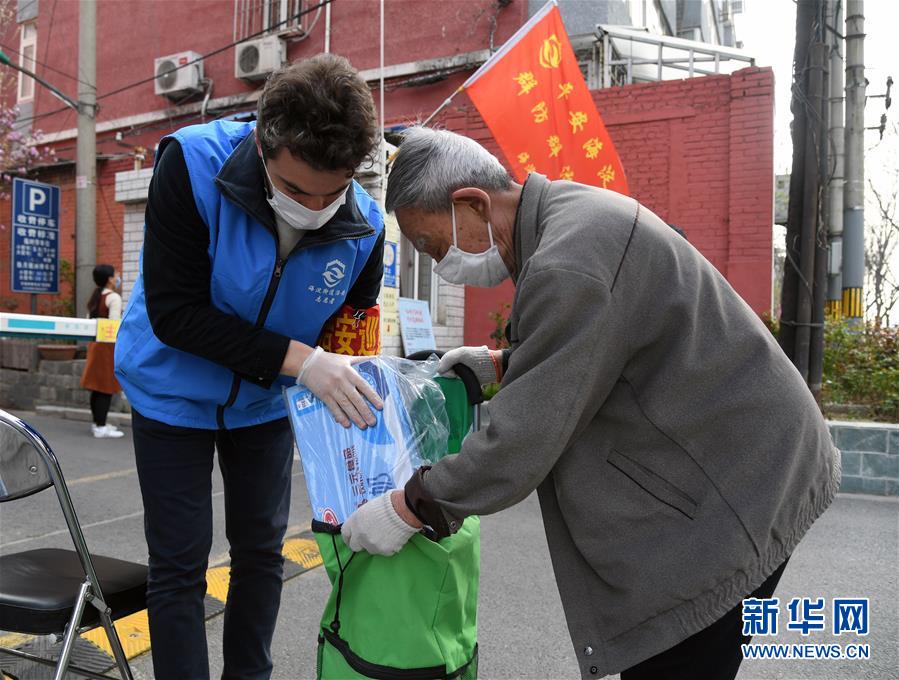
(698, 151)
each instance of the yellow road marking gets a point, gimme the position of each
(303, 551)
(103, 477)
(217, 581)
(134, 634)
(14, 639)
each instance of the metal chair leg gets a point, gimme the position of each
(113, 636)
(71, 632)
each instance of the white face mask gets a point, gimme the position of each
(299, 216)
(485, 269)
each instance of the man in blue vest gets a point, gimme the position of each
(256, 236)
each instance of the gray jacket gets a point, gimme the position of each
(678, 455)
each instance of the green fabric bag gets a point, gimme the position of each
(458, 410)
(409, 616)
(412, 616)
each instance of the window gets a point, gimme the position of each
(28, 51)
(284, 17)
(417, 278)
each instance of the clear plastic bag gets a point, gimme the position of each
(345, 468)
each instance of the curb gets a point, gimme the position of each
(82, 414)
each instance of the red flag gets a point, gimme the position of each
(534, 99)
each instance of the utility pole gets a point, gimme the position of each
(805, 19)
(853, 306)
(86, 155)
(835, 187)
(809, 237)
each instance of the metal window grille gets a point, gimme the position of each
(274, 16)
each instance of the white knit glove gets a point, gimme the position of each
(332, 378)
(481, 360)
(377, 528)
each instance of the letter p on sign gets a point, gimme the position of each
(36, 197)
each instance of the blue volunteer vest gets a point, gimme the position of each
(183, 389)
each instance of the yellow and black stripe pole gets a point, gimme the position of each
(853, 307)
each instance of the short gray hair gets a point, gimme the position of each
(431, 164)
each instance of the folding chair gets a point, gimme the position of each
(47, 591)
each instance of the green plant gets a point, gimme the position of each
(490, 391)
(771, 322)
(861, 366)
(65, 305)
(500, 318)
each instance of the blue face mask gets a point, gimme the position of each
(484, 270)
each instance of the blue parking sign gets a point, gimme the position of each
(35, 237)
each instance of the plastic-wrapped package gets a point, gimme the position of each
(347, 467)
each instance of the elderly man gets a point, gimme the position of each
(678, 455)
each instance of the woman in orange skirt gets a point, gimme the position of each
(98, 376)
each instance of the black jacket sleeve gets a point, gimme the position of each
(177, 273)
(364, 293)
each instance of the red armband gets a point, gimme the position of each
(356, 332)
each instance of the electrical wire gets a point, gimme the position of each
(112, 222)
(10, 50)
(189, 63)
(217, 51)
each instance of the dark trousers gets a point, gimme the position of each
(174, 465)
(100, 402)
(714, 653)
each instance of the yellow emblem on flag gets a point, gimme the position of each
(551, 52)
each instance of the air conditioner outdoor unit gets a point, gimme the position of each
(255, 59)
(174, 82)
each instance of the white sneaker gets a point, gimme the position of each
(106, 432)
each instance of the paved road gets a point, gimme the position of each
(853, 550)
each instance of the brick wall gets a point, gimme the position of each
(697, 152)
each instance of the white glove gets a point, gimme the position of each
(377, 528)
(484, 362)
(332, 379)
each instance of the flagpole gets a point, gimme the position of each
(442, 106)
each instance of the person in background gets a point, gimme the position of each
(99, 376)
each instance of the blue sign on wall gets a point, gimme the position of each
(35, 237)
(390, 264)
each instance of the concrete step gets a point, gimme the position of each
(83, 414)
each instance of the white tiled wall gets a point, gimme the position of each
(131, 189)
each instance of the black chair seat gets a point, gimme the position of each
(38, 589)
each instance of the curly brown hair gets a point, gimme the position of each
(321, 111)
